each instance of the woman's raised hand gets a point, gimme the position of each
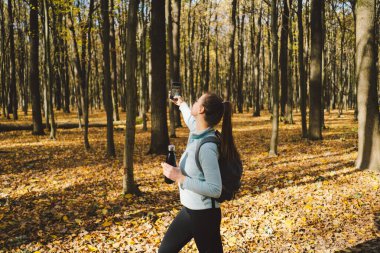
(177, 100)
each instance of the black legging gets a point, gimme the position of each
(202, 225)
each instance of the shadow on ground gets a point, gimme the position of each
(371, 246)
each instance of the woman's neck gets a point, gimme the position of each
(201, 124)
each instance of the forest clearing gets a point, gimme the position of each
(92, 93)
(308, 199)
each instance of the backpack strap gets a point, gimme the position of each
(212, 139)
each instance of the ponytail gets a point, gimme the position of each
(215, 109)
(228, 148)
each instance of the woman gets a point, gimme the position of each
(200, 216)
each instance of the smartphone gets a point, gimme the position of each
(175, 90)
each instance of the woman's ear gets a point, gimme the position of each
(201, 109)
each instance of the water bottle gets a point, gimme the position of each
(170, 159)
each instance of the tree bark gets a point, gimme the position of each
(129, 185)
(34, 70)
(143, 72)
(240, 98)
(191, 59)
(366, 73)
(257, 64)
(284, 56)
(274, 29)
(159, 132)
(12, 87)
(169, 31)
(107, 77)
(2, 66)
(114, 65)
(67, 78)
(315, 124)
(48, 70)
(289, 102)
(176, 21)
(231, 53)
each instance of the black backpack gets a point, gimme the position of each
(230, 171)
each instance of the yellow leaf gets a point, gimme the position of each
(128, 196)
(308, 207)
(65, 219)
(104, 211)
(79, 221)
(288, 223)
(232, 241)
(130, 241)
(37, 251)
(106, 224)
(87, 237)
(92, 248)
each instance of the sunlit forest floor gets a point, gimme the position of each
(55, 197)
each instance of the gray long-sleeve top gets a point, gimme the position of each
(198, 188)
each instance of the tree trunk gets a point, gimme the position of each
(231, 53)
(274, 29)
(315, 124)
(176, 16)
(34, 70)
(57, 61)
(217, 75)
(129, 185)
(80, 62)
(114, 65)
(257, 64)
(159, 135)
(2, 64)
(191, 60)
(48, 69)
(284, 56)
(107, 77)
(67, 79)
(366, 72)
(289, 102)
(143, 63)
(169, 31)
(12, 87)
(269, 77)
(240, 98)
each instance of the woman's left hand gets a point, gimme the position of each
(173, 173)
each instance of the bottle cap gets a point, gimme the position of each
(171, 148)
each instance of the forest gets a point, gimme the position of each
(86, 120)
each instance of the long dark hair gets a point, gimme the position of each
(215, 109)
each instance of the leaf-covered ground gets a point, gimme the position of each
(55, 197)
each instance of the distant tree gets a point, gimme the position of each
(107, 77)
(301, 70)
(129, 185)
(34, 80)
(256, 67)
(275, 91)
(48, 71)
(231, 52)
(284, 56)
(114, 64)
(315, 123)
(12, 107)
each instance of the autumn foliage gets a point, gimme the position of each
(56, 197)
